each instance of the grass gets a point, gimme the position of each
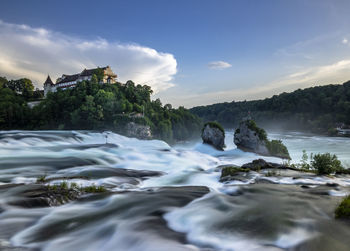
(343, 210)
(93, 189)
(65, 187)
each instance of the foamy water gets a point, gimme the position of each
(166, 197)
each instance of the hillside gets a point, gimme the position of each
(316, 109)
(93, 106)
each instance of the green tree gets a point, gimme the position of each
(326, 163)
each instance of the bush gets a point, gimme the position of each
(326, 163)
(343, 210)
(214, 124)
(276, 148)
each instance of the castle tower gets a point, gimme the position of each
(48, 85)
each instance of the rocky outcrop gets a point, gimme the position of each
(213, 134)
(138, 131)
(248, 137)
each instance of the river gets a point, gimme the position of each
(164, 198)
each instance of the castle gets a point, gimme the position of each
(69, 81)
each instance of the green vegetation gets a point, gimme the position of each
(276, 148)
(232, 170)
(343, 210)
(94, 189)
(260, 131)
(214, 124)
(64, 186)
(41, 179)
(94, 106)
(326, 163)
(314, 109)
(321, 164)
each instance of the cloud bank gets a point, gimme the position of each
(35, 52)
(219, 65)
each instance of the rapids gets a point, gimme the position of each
(162, 197)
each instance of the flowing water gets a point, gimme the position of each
(164, 198)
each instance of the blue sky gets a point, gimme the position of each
(190, 52)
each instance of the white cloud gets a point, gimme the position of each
(345, 41)
(218, 65)
(35, 52)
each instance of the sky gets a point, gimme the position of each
(191, 52)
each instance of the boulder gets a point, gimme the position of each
(138, 131)
(213, 134)
(250, 138)
(259, 164)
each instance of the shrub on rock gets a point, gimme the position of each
(249, 137)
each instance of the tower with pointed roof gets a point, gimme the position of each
(49, 86)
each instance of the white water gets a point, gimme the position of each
(212, 221)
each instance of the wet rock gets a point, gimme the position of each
(332, 184)
(138, 131)
(214, 135)
(259, 164)
(35, 195)
(228, 171)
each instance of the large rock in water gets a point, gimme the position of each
(138, 131)
(248, 137)
(213, 134)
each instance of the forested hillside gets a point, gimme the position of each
(93, 106)
(317, 109)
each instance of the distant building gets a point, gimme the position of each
(70, 81)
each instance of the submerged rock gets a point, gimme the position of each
(250, 138)
(259, 164)
(213, 134)
(35, 195)
(227, 172)
(138, 131)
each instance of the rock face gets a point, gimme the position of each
(214, 136)
(138, 131)
(248, 139)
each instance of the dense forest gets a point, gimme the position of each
(93, 106)
(316, 109)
